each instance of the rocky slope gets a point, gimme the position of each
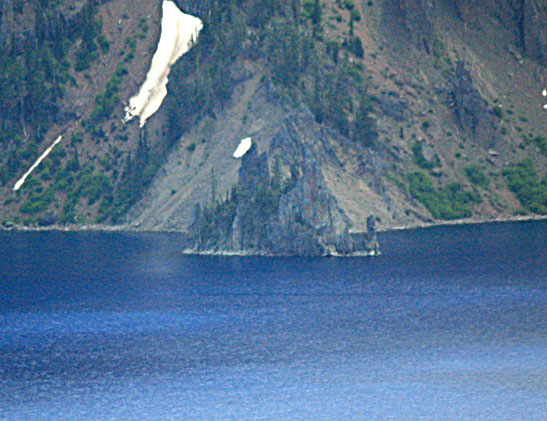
(412, 111)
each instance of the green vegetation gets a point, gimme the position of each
(355, 15)
(364, 126)
(87, 184)
(419, 158)
(442, 60)
(107, 101)
(38, 199)
(475, 174)
(312, 10)
(90, 31)
(498, 111)
(68, 182)
(143, 27)
(34, 75)
(138, 170)
(541, 143)
(449, 202)
(130, 48)
(355, 46)
(254, 203)
(303, 66)
(523, 180)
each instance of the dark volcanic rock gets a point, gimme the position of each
(524, 20)
(471, 110)
(309, 220)
(392, 106)
(199, 8)
(367, 242)
(408, 20)
(8, 225)
(281, 205)
(411, 21)
(20, 29)
(534, 29)
(6, 21)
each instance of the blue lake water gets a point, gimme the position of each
(449, 323)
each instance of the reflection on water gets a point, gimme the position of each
(448, 324)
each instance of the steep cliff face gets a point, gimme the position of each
(269, 215)
(411, 111)
(415, 21)
(534, 30)
(522, 18)
(282, 203)
(406, 21)
(194, 7)
(472, 112)
(15, 16)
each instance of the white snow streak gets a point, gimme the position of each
(243, 147)
(42, 157)
(178, 32)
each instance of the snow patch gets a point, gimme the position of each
(243, 147)
(42, 157)
(178, 33)
(544, 93)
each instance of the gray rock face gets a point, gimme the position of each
(534, 29)
(309, 220)
(408, 21)
(524, 20)
(6, 21)
(367, 242)
(194, 7)
(405, 21)
(16, 29)
(471, 110)
(392, 106)
(282, 204)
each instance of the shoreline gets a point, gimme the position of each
(459, 222)
(127, 229)
(132, 229)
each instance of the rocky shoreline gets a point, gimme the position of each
(374, 251)
(9, 226)
(469, 221)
